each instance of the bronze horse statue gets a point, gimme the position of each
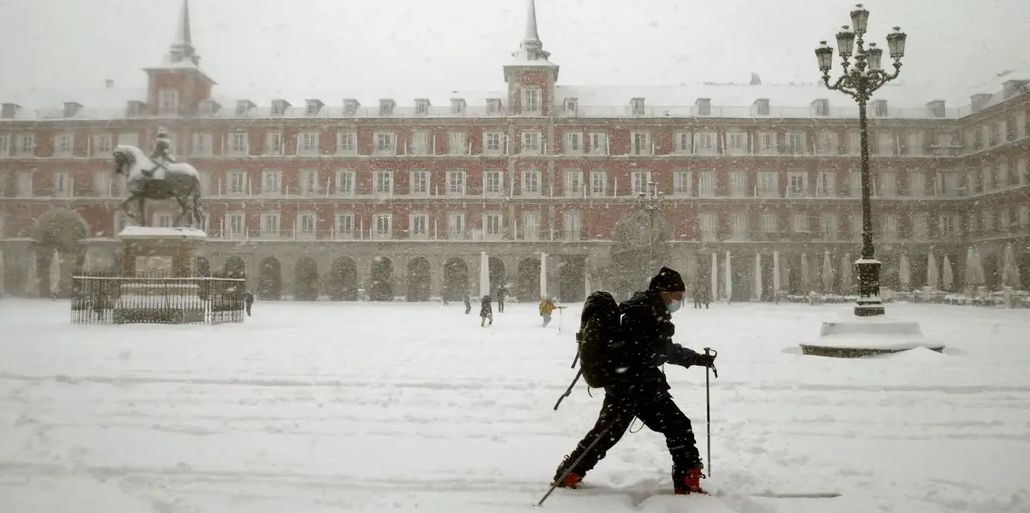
(179, 181)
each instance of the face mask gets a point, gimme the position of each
(674, 305)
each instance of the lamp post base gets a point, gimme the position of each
(869, 308)
(869, 303)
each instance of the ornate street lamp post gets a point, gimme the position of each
(650, 202)
(859, 82)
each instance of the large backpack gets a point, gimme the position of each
(600, 339)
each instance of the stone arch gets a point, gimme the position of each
(496, 272)
(380, 286)
(527, 285)
(571, 278)
(917, 265)
(235, 267)
(455, 279)
(305, 275)
(57, 231)
(202, 266)
(419, 279)
(992, 271)
(342, 281)
(270, 279)
(1023, 264)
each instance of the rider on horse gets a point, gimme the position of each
(162, 153)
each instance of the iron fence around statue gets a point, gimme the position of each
(109, 299)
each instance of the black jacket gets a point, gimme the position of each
(647, 330)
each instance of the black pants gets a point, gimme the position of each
(658, 412)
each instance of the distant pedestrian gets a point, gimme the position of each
(248, 300)
(501, 293)
(486, 311)
(546, 309)
(468, 303)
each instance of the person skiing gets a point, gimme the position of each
(162, 154)
(486, 311)
(641, 390)
(546, 308)
(468, 303)
(501, 292)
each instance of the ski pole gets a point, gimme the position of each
(708, 403)
(573, 465)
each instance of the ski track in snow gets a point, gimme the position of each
(403, 407)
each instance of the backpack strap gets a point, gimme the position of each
(568, 391)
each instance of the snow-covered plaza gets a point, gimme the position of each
(329, 407)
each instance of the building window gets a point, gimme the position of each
(888, 184)
(345, 182)
(704, 143)
(531, 142)
(573, 186)
(914, 143)
(383, 226)
(800, 222)
(168, 101)
(102, 145)
(26, 145)
(235, 223)
(829, 224)
(738, 183)
(456, 225)
(492, 182)
(418, 226)
(770, 223)
(572, 143)
(637, 106)
(640, 143)
(706, 184)
(457, 143)
(598, 143)
(273, 143)
(916, 183)
(345, 226)
(531, 100)
(572, 225)
(890, 227)
(492, 225)
(64, 145)
(768, 184)
(455, 183)
(383, 182)
(638, 182)
(598, 183)
(308, 182)
(827, 143)
(62, 185)
(419, 183)
(23, 187)
(307, 143)
(767, 143)
(346, 143)
(419, 143)
(492, 143)
(236, 182)
(530, 182)
(921, 226)
(239, 144)
(202, 145)
(854, 142)
(385, 143)
(493, 105)
(886, 143)
(269, 223)
(826, 186)
(736, 142)
(531, 225)
(796, 143)
(682, 142)
(708, 226)
(101, 184)
(421, 107)
(271, 182)
(306, 225)
(5, 145)
(739, 226)
(798, 183)
(681, 183)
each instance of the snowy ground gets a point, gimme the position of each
(314, 407)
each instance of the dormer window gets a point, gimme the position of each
(457, 106)
(936, 108)
(421, 106)
(386, 106)
(704, 106)
(762, 107)
(71, 109)
(10, 110)
(134, 108)
(314, 106)
(209, 107)
(880, 108)
(571, 105)
(821, 107)
(279, 107)
(493, 105)
(243, 107)
(637, 106)
(350, 106)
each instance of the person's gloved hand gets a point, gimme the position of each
(704, 360)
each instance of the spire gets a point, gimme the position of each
(182, 44)
(531, 48)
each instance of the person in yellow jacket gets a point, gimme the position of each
(546, 308)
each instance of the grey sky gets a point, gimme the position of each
(266, 48)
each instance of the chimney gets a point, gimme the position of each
(350, 106)
(1010, 88)
(279, 106)
(977, 101)
(109, 83)
(936, 108)
(71, 109)
(135, 108)
(243, 107)
(9, 110)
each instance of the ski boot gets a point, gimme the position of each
(691, 483)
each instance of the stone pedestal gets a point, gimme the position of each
(856, 337)
(149, 251)
(100, 255)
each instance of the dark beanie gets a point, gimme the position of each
(667, 280)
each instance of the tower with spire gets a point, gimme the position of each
(177, 86)
(531, 76)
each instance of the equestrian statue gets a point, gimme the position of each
(159, 177)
